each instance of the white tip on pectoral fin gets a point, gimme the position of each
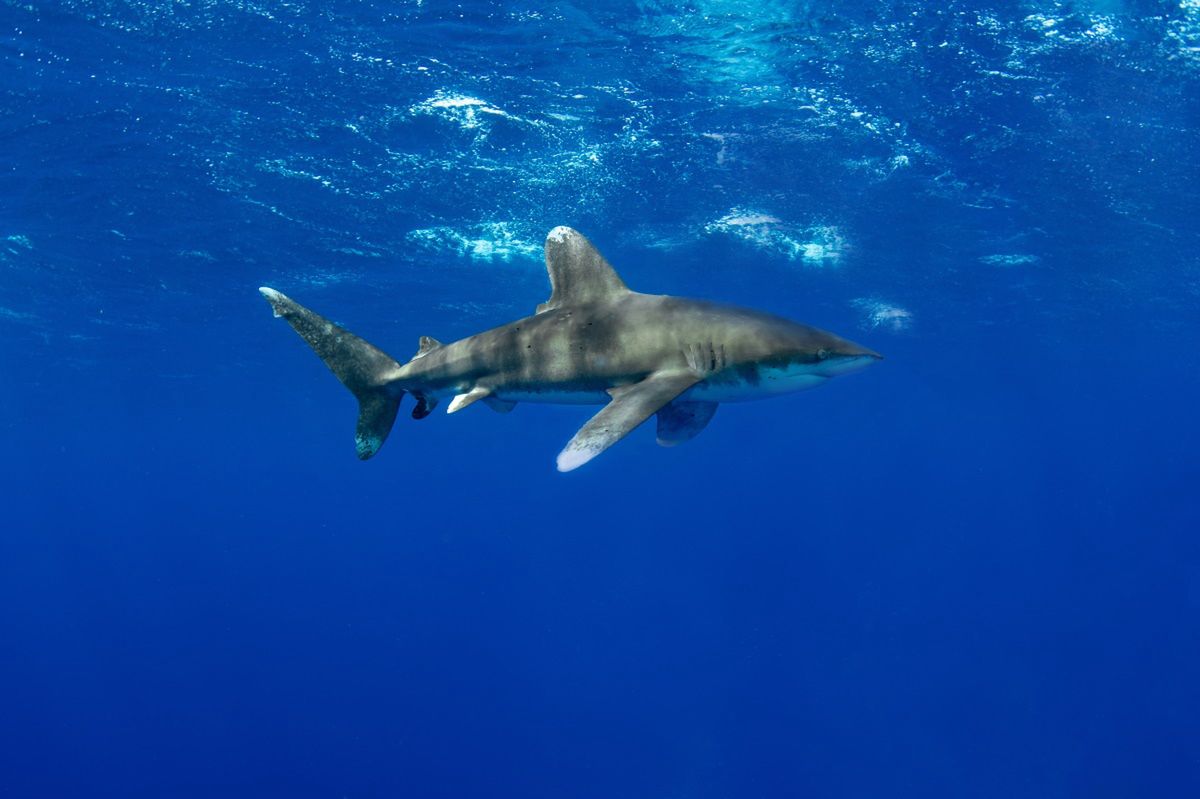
(463, 400)
(574, 456)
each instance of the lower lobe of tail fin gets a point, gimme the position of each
(376, 414)
(364, 369)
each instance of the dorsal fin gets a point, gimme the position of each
(425, 345)
(578, 272)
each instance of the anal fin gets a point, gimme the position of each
(425, 406)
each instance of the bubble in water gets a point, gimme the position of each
(877, 314)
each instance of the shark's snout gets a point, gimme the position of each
(850, 349)
(846, 357)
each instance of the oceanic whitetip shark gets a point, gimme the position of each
(594, 342)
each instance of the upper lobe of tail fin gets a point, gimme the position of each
(367, 371)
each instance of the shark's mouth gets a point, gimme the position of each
(844, 365)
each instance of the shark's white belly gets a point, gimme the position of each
(771, 383)
(552, 397)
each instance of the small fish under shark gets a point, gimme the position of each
(594, 342)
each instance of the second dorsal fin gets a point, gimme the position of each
(426, 345)
(578, 272)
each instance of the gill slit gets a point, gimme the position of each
(705, 358)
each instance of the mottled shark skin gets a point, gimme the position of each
(593, 342)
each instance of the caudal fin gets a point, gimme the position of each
(367, 371)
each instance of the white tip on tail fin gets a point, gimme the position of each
(273, 297)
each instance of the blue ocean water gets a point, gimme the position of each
(972, 570)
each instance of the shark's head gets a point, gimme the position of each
(778, 356)
(835, 356)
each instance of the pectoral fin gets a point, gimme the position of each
(630, 406)
(682, 421)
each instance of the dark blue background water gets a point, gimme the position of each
(972, 570)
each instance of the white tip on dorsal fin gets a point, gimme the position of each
(578, 272)
(463, 400)
(426, 345)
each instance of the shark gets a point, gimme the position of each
(593, 342)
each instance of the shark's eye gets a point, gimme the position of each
(822, 354)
